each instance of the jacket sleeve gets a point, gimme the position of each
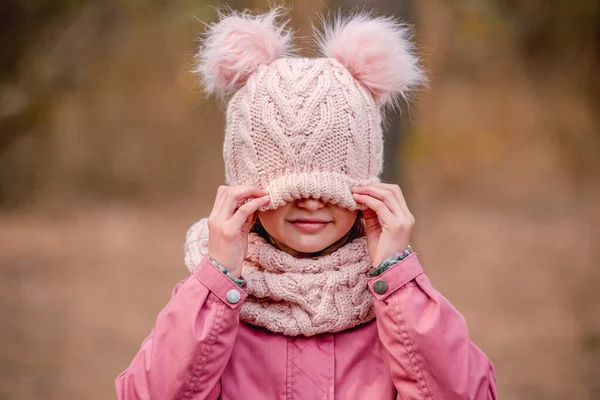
(190, 344)
(426, 339)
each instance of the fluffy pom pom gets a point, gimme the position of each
(378, 53)
(233, 48)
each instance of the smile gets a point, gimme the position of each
(309, 225)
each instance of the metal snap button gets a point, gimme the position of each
(233, 296)
(380, 286)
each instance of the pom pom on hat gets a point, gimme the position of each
(235, 46)
(376, 51)
(306, 127)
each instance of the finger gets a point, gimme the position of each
(218, 204)
(381, 193)
(249, 222)
(244, 212)
(370, 220)
(236, 194)
(399, 195)
(383, 212)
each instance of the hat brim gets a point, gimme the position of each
(329, 187)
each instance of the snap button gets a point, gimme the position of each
(233, 296)
(380, 286)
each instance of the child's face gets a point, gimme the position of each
(307, 225)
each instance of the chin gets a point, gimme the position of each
(310, 244)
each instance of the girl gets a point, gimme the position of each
(303, 284)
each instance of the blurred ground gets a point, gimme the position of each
(108, 154)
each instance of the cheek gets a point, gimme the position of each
(344, 220)
(273, 221)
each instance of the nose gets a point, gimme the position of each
(310, 204)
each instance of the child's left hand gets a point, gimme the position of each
(388, 221)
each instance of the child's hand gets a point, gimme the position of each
(228, 225)
(388, 221)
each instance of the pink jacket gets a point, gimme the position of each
(418, 347)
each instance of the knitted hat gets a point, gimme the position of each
(306, 127)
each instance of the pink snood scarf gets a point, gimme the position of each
(297, 296)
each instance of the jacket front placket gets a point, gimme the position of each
(307, 378)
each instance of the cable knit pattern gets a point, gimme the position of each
(298, 296)
(303, 127)
(307, 127)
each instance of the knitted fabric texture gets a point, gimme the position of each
(306, 127)
(298, 296)
(303, 128)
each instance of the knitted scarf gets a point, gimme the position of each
(298, 296)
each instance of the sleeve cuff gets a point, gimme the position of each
(241, 282)
(391, 261)
(219, 284)
(394, 278)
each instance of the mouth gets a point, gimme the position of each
(309, 225)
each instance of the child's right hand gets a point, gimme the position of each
(228, 225)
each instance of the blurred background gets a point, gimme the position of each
(109, 151)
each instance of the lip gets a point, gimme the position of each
(309, 225)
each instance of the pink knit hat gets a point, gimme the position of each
(306, 127)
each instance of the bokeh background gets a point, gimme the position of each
(109, 151)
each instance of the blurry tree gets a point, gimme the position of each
(65, 67)
(48, 52)
(557, 44)
(558, 36)
(554, 32)
(550, 34)
(20, 24)
(22, 106)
